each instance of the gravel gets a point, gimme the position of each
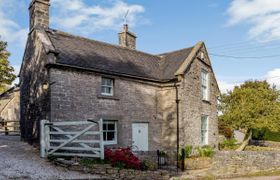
(19, 160)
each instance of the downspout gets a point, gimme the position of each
(178, 125)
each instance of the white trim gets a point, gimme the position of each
(107, 86)
(202, 55)
(115, 141)
(206, 140)
(206, 85)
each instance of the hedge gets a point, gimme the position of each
(265, 134)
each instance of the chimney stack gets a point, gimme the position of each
(126, 38)
(39, 14)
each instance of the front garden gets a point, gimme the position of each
(119, 163)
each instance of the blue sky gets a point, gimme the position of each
(242, 36)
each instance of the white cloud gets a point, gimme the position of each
(226, 86)
(9, 30)
(75, 15)
(273, 77)
(262, 15)
(228, 83)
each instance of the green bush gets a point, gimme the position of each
(205, 151)
(147, 165)
(187, 150)
(228, 144)
(89, 162)
(265, 134)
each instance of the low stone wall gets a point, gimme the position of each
(116, 173)
(109, 172)
(231, 163)
(150, 156)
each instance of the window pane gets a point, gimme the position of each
(104, 136)
(111, 126)
(204, 129)
(204, 126)
(109, 82)
(106, 90)
(204, 93)
(103, 89)
(109, 90)
(203, 139)
(110, 136)
(103, 81)
(104, 126)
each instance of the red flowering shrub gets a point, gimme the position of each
(122, 157)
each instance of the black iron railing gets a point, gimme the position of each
(170, 160)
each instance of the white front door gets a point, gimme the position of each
(140, 139)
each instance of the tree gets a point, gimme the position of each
(6, 71)
(252, 105)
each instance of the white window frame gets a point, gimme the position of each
(204, 85)
(202, 55)
(107, 86)
(115, 141)
(204, 132)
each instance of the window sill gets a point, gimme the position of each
(107, 97)
(206, 101)
(110, 143)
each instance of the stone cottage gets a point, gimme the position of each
(140, 96)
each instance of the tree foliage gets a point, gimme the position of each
(6, 71)
(252, 105)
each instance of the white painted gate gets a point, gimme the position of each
(59, 139)
(140, 136)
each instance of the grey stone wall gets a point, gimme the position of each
(233, 163)
(76, 96)
(34, 100)
(193, 107)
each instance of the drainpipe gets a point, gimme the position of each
(177, 111)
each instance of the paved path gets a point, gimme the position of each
(19, 160)
(259, 178)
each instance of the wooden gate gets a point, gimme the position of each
(59, 138)
(9, 127)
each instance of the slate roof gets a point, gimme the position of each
(99, 56)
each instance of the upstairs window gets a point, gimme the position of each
(202, 55)
(110, 132)
(107, 87)
(204, 84)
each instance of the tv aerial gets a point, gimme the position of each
(125, 16)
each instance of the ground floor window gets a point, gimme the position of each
(110, 132)
(204, 130)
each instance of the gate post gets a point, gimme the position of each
(101, 138)
(43, 142)
(183, 159)
(6, 128)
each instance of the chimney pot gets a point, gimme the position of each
(125, 27)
